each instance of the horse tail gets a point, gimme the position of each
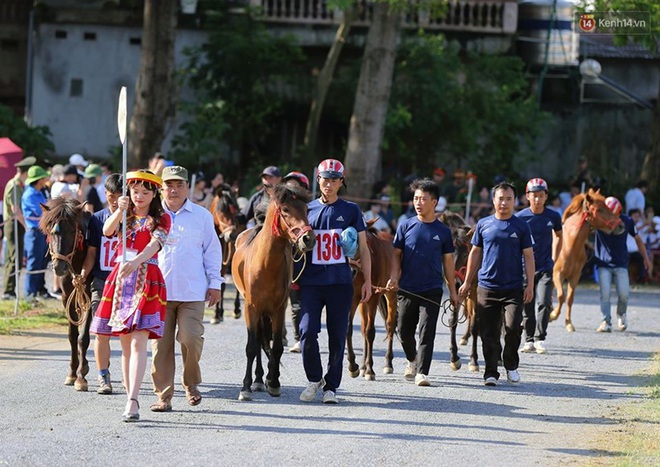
(264, 334)
(382, 307)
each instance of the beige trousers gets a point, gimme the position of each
(187, 317)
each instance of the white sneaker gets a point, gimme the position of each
(623, 323)
(604, 327)
(422, 380)
(410, 371)
(295, 348)
(512, 376)
(490, 381)
(329, 397)
(539, 346)
(528, 347)
(309, 394)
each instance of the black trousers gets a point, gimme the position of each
(413, 310)
(492, 305)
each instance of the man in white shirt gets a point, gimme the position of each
(636, 197)
(190, 263)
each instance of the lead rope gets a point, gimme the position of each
(302, 257)
(82, 301)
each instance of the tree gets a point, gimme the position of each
(155, 89)
(34, 140)
(651, 166)
(363, 155)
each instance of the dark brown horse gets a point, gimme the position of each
(381, 249)
(65, 223)
(461, 234)
(224, 209)
(262, 271)
(586, 212)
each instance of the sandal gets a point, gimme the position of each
(194, 397)
(130, 417)
(161, 406)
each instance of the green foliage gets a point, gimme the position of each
(242, 78)
(33, 140)
(472, 111)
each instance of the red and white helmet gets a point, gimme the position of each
(331, 168)
(614, 205)
(299, 177)
(536, 184)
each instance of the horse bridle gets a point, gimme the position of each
(68, 258)
(591, 211)
(295, 232)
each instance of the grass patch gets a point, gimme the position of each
(31, 315)
(636, 439)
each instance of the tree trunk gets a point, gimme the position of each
(155, 89)
(323, 81)
(363, 155)
(651, 166)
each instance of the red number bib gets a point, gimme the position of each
(108, 257)
(327, 249)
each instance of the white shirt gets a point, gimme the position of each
(60, 189)
(635, 199)
(192, 256)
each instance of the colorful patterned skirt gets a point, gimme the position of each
(136, 303)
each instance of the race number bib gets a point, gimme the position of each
(327, 249)
(108, 256)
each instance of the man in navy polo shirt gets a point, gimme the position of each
(500, 243)
(423, 248)
(546, 228)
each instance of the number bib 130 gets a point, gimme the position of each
(327, 249)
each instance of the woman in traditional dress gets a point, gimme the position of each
(134, 297)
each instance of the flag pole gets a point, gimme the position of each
(121, 126)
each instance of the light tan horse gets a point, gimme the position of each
(586, 212)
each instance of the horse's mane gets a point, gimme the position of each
(284, 193)
(59, 209)
(452, 220)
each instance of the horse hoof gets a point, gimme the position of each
(553, 316)
(388, 370)
(462, 342)
(274, 392)
(245, 396)
(354, 373)
(215, 321)
(569, 327)
(237, 314)
(258, 387)
(474, 367)
(69, 380)
(370, 377)
(80, 385)
(456, 365)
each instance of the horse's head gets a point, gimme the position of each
(288, 206)
(64, 222)
(599, 216)
(461, 234)
(224, 208)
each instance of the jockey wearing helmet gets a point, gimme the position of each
(546, 228)
(611, 258)
(327, 281)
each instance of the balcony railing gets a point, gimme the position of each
(479, 16)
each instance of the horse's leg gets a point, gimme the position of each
(73, 363)
(454, 359)
(263, 333)
(368, 335)
(353, 369)
(252, 351)
(572, 285)
(273, 376)
(558, 281)
(237, 306)
(390, 300)
(219, 310)
(83, 345)
(473, 327)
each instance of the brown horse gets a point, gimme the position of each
(65, 223)
(381, 249)
(262, 270)
(461, 234)
(224, 209)
(587, 211)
